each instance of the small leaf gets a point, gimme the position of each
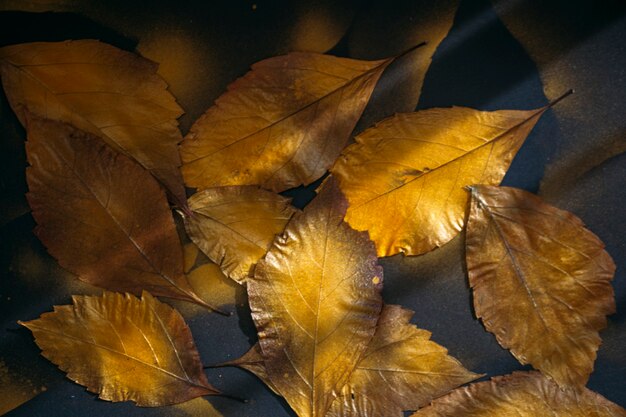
(281, 125)
(521, 394)
(101, 215)
(102, 90)
(123, 348)
(541, 281)
(404, 177)
(315, 300)
(235, 226)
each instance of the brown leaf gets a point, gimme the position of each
(235, 226)
(553, 274)
(521, 394)
(123, 348)
(101, 215)
(281, 125)
(404, 177)
(315, 299)
(104, 91)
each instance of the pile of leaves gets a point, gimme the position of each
(108, 164)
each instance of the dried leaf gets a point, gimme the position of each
(104, 91)
(101, 215)
(553, 274)
(521, 394)
(400, 370)
(281, 125)
(123, 348)
(235, 226)
(315, 299)
(404, 177)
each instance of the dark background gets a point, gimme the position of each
(501, 54)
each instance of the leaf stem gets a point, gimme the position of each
(233, 397)
(408, 51)
(561, 97)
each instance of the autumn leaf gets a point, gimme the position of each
(281, 125)
(124, 348)
(404, 177)
(100, 89)
(235, 226)
(101, 215)
(553, 273)
(521, 394)
(315, 300)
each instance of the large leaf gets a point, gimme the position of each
(541, 281)
(281, 125)
(315, 299)
(101, 215)
(521, 394)
(123, 348)
(235, 226)
(404, 177)
(102, 90)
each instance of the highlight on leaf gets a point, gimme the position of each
(102, 216)
(105, 91)
(235, 226)
(124, 348)
(521, 394)
(404, 177)
(553, 273)
(281, 125)
(315, 300)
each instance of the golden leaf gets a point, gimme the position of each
(123, 348)
(315, 299)
(553, 274)
(404, 177)
(235, 226)
(101, 215)
(281, 125)
(102, 90)
(521, 394)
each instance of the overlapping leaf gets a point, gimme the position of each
(101, 215)
(123, 348)
(235, 226)
(281, 125)
(104, 91)
(315, 299)
(521, 394)
(404, 177)
(541, 281)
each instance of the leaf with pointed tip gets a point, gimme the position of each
(124, 348)
(105, 91)
(553, 273)
(521, 394)
(404, 177)
(235, 226)
(281, 125)
(101, 215)
(315, 300)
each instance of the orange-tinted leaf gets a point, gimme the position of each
(521, 394)
(315, 299)
(123, 348)
(281, 125)
(101, 215)
(102, 90)
(541, 281)
(235, 226)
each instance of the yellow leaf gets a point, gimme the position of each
(123, 348)
(235, 226)
(521, 394)
(315, 299)
(404, 177)
(212, 286)
(541, 281)
(104, 91)
(281, 125)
